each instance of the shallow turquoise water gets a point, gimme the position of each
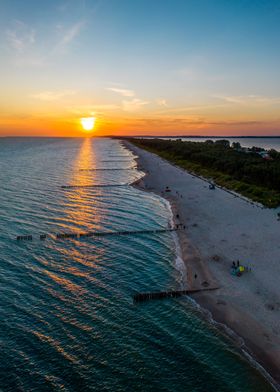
(67, 318)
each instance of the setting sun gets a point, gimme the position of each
(88, 123)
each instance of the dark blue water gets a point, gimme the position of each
(67, 321)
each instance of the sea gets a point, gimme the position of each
(68, 321)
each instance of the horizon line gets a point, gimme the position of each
(137, 136)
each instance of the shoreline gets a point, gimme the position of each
(228, 318)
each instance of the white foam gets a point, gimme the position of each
(238, 341)
(179, 263)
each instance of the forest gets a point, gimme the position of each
(245, 171)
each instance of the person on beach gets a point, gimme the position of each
(233, 269)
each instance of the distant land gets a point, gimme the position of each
(200, 137)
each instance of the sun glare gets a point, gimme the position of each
(88, 123)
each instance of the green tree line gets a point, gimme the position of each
(248, 173)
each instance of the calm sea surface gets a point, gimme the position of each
(67, 321)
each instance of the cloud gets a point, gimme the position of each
(52, 95)
(71, 33)
(92, 109)
(131, 105)
(162, 102)
(190, 123)
(29, 50)
(20, 37)
(106, 107)
(248, 99)
(66, 36)
(122, 91)
(134, 104)
(191, 108)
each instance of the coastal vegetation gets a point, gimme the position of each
(254, 173)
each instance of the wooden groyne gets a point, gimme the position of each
(24, 237)
(92, 186)
(120, 156)
(108, 169)
(94, 234)
(141, 297)
(117, 160)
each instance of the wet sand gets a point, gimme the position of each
(220, 228)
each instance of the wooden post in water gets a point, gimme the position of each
(141, 297)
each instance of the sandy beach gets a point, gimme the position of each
(221, 228)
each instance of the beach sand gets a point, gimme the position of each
(221, 228)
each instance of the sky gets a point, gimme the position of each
(140, 67)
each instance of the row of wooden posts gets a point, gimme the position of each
(94, 234)
(107, 169)
(141, 297)
(92, 186)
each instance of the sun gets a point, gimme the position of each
(88, 123)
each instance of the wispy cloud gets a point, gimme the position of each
(248, 99)
(161, 102)
(134, 105)
(131, 105)
(187, 123)
(71, 33)
(27, 44)
(67, 35)
(91, 110)
(122, 91)
(52, 95)
(20, 37)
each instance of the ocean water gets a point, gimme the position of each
(68, 322)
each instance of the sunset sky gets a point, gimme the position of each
(197, 67)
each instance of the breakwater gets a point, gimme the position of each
(108, 169)
(92, 186)
(93, 234)
(141, 297)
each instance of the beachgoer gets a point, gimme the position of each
(195, 276)
(238, 263)
(233, 265)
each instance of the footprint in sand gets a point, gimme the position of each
(220, 302)
(270, 306)
(266, 336)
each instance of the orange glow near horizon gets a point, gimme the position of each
(65, 124)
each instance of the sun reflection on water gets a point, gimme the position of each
(82, 208)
